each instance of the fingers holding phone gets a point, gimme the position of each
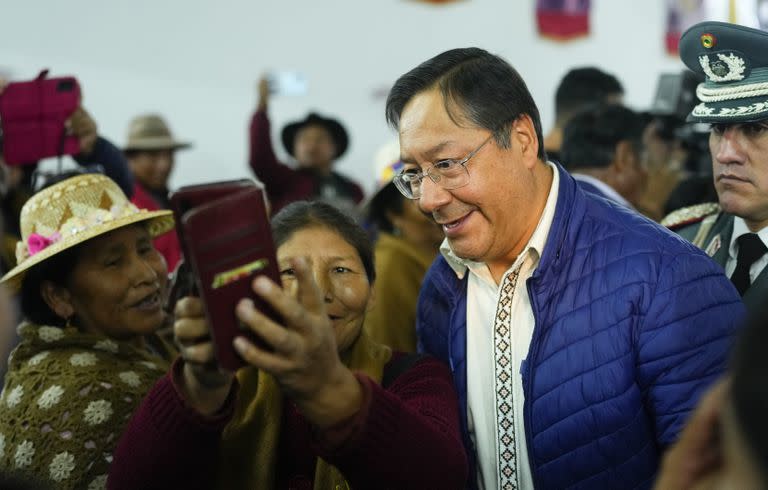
(204, 384)
(304, 347)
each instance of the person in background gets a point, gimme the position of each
(603, 150)
(407, 241)
(735, 231)
(91, 287)
(151, 150)
(315, 142)
(579, 333)
(579, 89)
(18, 181)
(322, 406)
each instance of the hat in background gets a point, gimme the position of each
(151, 132)
(338, 133)
(734, 60)
(387, 164)
(71, 212)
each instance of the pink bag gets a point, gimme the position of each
(32, 116)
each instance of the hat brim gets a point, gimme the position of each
(159, 222)
(731, 111)
(338, 133)
(153, 144)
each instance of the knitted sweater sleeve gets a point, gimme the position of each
(167, 444)
(407, 435)
(276, 176)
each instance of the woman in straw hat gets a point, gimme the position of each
(327, 408)
(92, 289)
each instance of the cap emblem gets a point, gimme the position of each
(708, 40)
(724, 69)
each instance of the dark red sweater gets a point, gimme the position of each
(285, 184)
(405, 436)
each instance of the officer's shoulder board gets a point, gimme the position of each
(689, 215)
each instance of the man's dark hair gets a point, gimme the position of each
(305, 214)
(590, 137)
(749, 391)
(486, 90)
(581, 88)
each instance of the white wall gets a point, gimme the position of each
(197, 61)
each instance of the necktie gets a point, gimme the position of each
(751, 248)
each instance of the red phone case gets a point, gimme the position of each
(33, 113)
(228, 241)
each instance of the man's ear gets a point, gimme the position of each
(523, 136)
(625, 156)
(58, 299)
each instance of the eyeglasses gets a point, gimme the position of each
(448, 174)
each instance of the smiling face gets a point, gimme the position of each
(492, 217)
(740, 169)
(117, 285)
(339, 273)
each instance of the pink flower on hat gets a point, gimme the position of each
(37, 243)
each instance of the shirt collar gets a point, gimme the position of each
(740, 228)
(536, 243)
(609, 191)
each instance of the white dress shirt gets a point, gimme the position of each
(740, 228)
(482, 300)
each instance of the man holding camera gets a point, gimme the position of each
(734, 100)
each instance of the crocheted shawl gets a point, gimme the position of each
(66, 400)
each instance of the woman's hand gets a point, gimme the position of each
(304, 360)
(204, 385)
(82, 125)
(263, 89)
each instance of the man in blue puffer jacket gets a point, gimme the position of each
(580, 335)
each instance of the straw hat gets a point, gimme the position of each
(151, 132)
(71, 212)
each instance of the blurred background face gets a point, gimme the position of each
(117, 286)
(339, 274)
(416, 227)
(152, 168)
(631, 182)
(314, 147)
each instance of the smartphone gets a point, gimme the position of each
(227, 242)
(33, 113)
(287, 83)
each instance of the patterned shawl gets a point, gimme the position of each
(66, 400)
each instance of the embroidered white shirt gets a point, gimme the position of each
(482, 301)
(740, 228)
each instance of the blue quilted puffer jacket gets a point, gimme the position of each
(632, 325)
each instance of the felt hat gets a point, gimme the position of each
(334, 127)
